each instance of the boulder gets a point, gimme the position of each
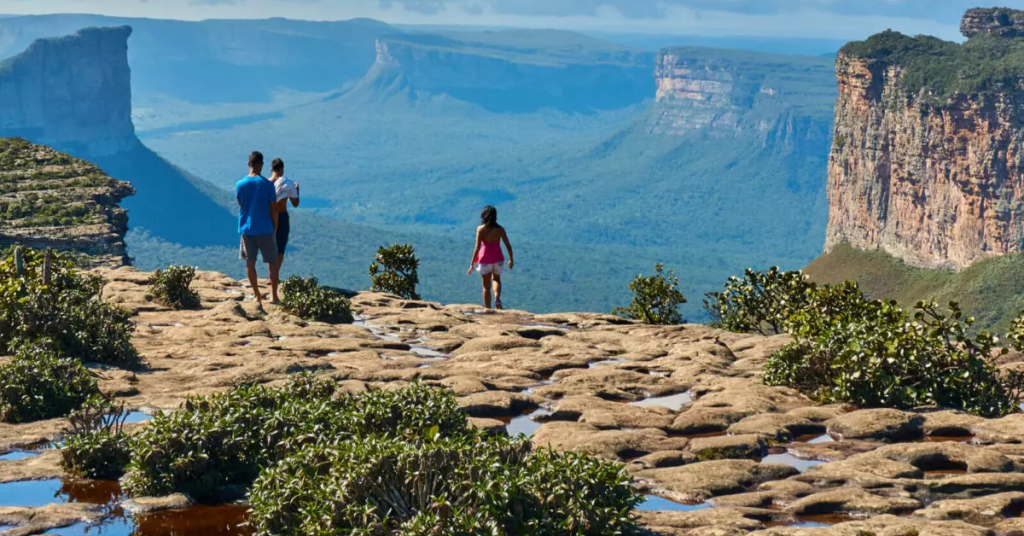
(880, 424)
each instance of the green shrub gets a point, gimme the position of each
(217, 445)
(656, 298)
(97, 446)
(395, 271)
(172, 287)
(306, 299)
(761, 302)
(872, 353)
(1016, 333)
(460, 485)
(66, 314)
(39, 384)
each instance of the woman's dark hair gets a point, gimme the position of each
(489, 217)
(277, 166)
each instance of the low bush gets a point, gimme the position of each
(760, 302)
(216, 445)
(460, 485)
(396, 271)
(656, 298)
(40, 384)
(97, 446)
(66, 314)
(872, 353)
(306, 299)
(172, 286)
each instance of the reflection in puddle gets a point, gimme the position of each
(137, 416)
(30, 493)
(199, 520)
(525, 423)
(653, 503)
(18, 454)
(604, 363)
(673, 402)
(825, 438)
(428, 353)
(785, 458)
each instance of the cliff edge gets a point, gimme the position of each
(927, 160)
(49, 199)
(71, 92)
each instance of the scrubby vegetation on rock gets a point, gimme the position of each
(41, 384)
(464, 484)
(760, 302)
(97, 446)
(172, 287)
(217, 444)
(656, 298)
(872, 353)
(396, 271)
(65, 313)
(307, 299)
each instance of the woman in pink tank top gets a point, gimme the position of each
(488, 259)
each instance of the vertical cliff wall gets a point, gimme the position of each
(728, 93)
(72, 92)
(927, 162)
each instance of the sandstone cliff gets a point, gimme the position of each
(72, 92)
(727, 93)
(927, 162)
(559, 70)
(51, 200)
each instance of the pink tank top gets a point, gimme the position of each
(490, 253)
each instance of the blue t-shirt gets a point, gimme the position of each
(255, 195)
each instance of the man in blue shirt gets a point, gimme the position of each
(257, 223)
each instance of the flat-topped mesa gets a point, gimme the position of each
(72, 92)
(49, 199)
(1003, 22)
(927, 162)
(728, 93)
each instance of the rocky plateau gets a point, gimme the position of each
(680, 407)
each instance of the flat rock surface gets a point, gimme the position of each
(682, 407)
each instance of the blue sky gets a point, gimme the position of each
(841, 19)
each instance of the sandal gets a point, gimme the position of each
(497, 305)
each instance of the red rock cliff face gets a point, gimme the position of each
(935, 185)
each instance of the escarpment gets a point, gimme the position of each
(927, 162)
(497, 72)
(728, 93)
(51, 200)
(71, 92)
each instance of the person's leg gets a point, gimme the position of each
(270, 256)
(487, 290)
(497, 291)
(254, 281)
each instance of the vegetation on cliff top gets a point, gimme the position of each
(985, 63)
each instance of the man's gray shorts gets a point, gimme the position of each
(265, 245)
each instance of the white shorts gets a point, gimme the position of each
(493, 269)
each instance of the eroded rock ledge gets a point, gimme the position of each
(680, 406)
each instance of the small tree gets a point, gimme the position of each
(761, 302)
(656, 299)
(395, 271)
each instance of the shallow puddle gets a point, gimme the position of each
(785, 458)
(427, 353)
(824, 438)
(653, 503)
(673, 402)
(525, 424)
(137, 416)
(604, 363)
(204, 520)
(18, 454)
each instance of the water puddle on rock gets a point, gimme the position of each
(525, 423)
(604, 363)
(814, 440)
(18, 454)
(673, 402)
(786, 458)
(654, 503)
(204, 520)
(427, 353)
(137, 417)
